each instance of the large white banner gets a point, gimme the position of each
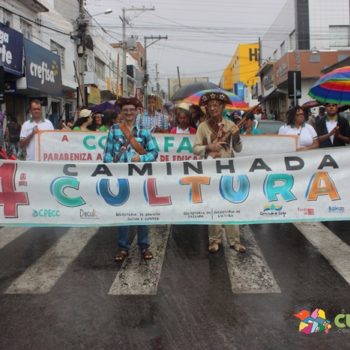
(63, 146)
(300, 186)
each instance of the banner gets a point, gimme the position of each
(301, 186)
(58, 146)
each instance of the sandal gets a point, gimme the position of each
(146, 254)
(213, 247)
(121, 256)
(238, 247)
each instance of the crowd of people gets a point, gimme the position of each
(217, 135)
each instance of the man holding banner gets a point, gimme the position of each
(218, 138)
(129, 142)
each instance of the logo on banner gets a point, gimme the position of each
(336, 210)
(273, 210)
(46, 213)
(307, 211)
(88, 214)
(313, 322)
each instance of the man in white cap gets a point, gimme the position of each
(217, 137)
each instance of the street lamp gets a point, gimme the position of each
(105, 12)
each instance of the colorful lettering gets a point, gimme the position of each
(281, 184)
(103, 189)
(321, 184)
(58, 187)
(151, 193)
(196, 190)
(227, 189)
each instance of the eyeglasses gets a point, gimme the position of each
(214, 105)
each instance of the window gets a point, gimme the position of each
(26, 29)
(59, 50)
(7, 18)
(339, 36)
(99, 68)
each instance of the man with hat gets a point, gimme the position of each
(217, 137)
(128, 142)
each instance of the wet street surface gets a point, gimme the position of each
(61, 289)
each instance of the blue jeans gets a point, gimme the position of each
(142, 237)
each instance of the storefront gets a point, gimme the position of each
(42, 79)
(11, 60)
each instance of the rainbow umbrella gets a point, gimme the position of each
(236, 102)
(333, 87)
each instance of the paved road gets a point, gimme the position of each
(60, 289)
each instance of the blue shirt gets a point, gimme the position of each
(116, 140)
(150, 122)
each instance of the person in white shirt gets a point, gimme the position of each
(307, 136)
(31, 127)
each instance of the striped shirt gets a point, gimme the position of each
(116, 139)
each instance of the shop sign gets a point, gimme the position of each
(11, 50)
(43, 69)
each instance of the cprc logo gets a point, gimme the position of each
(316, 321)
(46, 213)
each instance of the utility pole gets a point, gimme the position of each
(146, 76)
(81, 53)
(124, 43)
(157, 80)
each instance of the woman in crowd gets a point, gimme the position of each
(84, 121)
(307, 137)
(197, 116)
(183, 117)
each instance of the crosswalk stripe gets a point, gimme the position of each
(43, 274)
(137, 277)
(249, 272)
(9, 234)
(329, 245)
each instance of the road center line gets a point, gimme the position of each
(44, 273)
(249, 272)
(137, 277)
(329, 245)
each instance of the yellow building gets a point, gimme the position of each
(243, 67)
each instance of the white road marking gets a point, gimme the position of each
(9, 234)
(249, 272)
(44, 273)
(137, 277)
(329, 245)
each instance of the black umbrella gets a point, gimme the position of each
(190, 89)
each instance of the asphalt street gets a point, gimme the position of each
(61, 289)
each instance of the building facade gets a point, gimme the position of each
(240, 75)
(306, 37)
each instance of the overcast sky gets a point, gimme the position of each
(202, 34)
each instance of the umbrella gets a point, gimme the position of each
(190, 89)
(333, 87)
(236, 102)
(100, 108)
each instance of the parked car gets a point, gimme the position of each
(269, 126)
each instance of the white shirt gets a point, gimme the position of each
(27, 129)
(331, 124)
(305, 133)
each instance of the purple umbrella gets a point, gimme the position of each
(104, 106)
